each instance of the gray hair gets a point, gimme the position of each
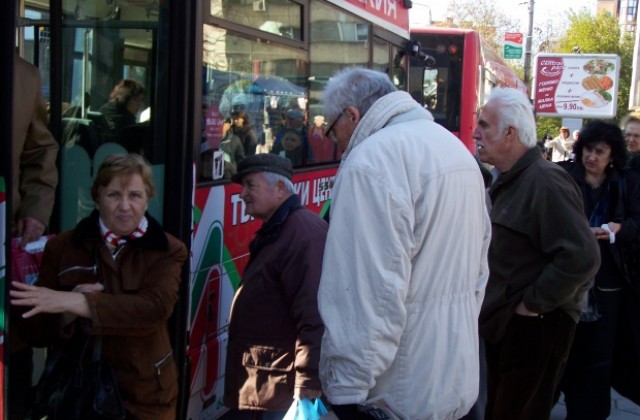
(515, 110)
(633, 117)
(354, 86)
(273, 178)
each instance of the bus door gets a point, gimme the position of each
(98, 53)
(85, 50)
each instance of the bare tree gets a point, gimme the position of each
(483, 16)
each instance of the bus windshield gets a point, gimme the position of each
(441, 89)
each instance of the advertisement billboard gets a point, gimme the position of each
(576, 85)
(513, 45)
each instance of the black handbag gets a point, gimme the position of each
(72, 388)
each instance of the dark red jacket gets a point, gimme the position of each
(275, 328)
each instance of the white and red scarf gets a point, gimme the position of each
(116, 241)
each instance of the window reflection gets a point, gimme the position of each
(108, 81)
(275, 90)
(259, 87)
(120, 10)
(337, 40)
(278, 17)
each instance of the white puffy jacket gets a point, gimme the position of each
(405, 267)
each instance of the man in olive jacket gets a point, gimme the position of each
(542, 259)
(275, 328)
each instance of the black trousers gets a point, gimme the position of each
(525, 367)
(586, 383)
(20, 372)
(477, 411)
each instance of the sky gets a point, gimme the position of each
(518, 9)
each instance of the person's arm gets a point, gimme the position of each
(151, 304)
(42, 300)
(46, 296)
(566, 240)
(365, 279)
(45, 328)
(239, 150)
(300, 280)
(38, 171)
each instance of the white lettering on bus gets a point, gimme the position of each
(302, 189)
(390, 7)
(321, 190)
(238, 208)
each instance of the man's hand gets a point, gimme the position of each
(614, 227)
(522, 310)
(30, 229)
(302, 393)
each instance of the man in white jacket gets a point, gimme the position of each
(405, 262)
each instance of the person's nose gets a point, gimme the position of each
(125, 203)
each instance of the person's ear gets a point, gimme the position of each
(352, 114)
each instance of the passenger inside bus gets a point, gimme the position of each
(292, 147)
(123, 106)
(222, 163)
(292, 141)
(324, 149)
(243, 128)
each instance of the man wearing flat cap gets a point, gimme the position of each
(275, 328)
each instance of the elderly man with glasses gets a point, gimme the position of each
(405, 262)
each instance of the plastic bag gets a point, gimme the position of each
(25, 263)
(305, 410)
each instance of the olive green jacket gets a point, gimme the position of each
(542, 250)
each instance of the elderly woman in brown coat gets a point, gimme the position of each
(116, 275)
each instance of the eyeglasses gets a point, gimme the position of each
(329, 132)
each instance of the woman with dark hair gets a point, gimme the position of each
(245, 131)
(611, 197)
(124, 103)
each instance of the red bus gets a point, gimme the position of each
(466, 69)
(198, 61)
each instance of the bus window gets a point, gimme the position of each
(466, 71)
(338, 40)
(278, 17)
(259, 82)
(430, 89)
(108, 88)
